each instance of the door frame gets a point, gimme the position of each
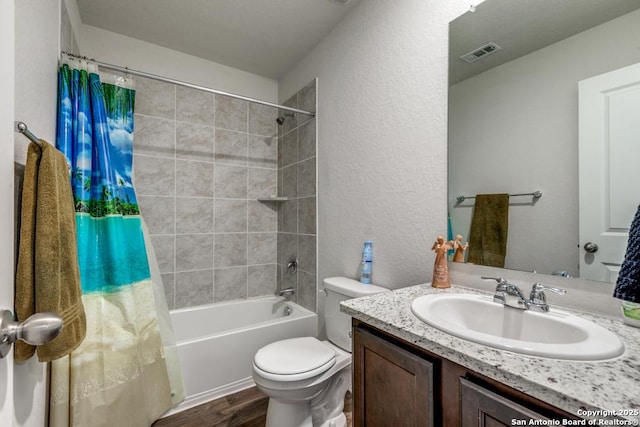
(7, 101)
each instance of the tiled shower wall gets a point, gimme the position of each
(297, 181)
(200, 162)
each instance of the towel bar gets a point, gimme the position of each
(23, 129)
(535, 194)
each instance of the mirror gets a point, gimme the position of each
(513, 115)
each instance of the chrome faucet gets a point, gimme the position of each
(510, 295)
(286, 291)
(292, 265)
(538, 300)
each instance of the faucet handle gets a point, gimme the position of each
(508, 294)
(500, 280)
(538, 300)
(539, 287)
(292, 264)
(501, 287)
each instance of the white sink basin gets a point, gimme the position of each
(555, 334)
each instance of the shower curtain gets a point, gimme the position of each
(126, 372)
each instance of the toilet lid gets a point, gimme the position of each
(294, 356)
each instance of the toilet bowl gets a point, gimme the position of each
(293, 396)
(306, 379)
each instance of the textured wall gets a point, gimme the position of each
(37, 42)
(200, 163)
(382, 137)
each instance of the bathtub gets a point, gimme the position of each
(217, 342)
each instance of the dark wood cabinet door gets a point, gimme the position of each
(483, 408)
(392, 387)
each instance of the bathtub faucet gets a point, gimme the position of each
(292, 265)
(286, 291)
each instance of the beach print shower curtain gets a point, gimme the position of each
(124, 373)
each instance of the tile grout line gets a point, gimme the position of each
(297, 245)
(315, 219)
(247, 204)
(175, 185)
(213, 202)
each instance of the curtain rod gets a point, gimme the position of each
(127, 70)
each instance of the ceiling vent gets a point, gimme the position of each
(481, 52)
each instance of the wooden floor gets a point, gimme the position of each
(247, 408)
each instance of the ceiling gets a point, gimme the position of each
(545, 22)
(264, 37)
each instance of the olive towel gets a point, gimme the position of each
(489, 226)
(47, 275)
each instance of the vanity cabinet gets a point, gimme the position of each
(398, 384)
(481, 407)
(392, 386)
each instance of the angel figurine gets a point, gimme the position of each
(440, 268)
(459, 248)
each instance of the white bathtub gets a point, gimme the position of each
(217, 342)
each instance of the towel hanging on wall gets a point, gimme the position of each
(489, 227)
(47, 275)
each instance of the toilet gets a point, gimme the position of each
(306, 379)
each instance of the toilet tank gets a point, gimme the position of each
(338, 324)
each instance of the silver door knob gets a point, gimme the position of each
(38, 329)
(591, 247)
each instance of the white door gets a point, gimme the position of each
(7, 15)
(609, 152)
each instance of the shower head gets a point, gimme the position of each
(283, 117)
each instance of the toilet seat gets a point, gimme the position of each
(294, 377)
(294, 359)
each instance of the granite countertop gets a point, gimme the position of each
(573, 386)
